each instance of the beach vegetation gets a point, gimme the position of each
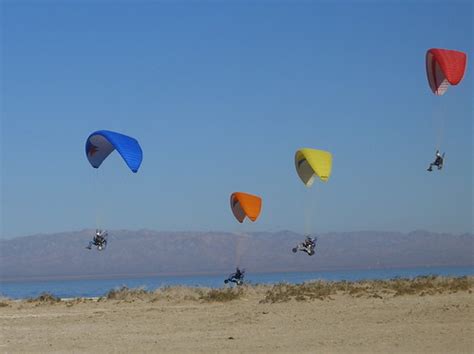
(45, 298)
(221, 295)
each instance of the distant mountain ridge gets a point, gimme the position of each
(146, 252)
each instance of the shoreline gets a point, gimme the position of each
(419, 285)
(219, 273)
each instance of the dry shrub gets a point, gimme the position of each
(221, 295)
(430, 285)
(422, 286)
(4, 304)
(180, 294)
(175, 294)
(284, 292)
(316, 290)
(45, 298)
(129, 295)
(80, 300)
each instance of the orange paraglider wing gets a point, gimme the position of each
(245, 205)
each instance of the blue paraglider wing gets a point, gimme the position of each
(101, 143)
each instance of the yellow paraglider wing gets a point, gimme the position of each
(310, 163)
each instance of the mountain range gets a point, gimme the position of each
(147, 252)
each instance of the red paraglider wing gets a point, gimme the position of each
(444, 67)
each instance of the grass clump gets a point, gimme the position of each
(421, 286)
(300, 292)
(430, 285)
(45, 298)
(126, 294)
(174, 294)
(221, 295)
(377, 289)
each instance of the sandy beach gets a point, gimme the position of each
(324, 317)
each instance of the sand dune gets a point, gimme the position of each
(427, 315)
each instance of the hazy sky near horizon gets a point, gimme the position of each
(220, 96)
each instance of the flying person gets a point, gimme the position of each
(438, 161)
(100, 240)
(308, 242)
(237, 277)
(99, 145)
(308, 245)
(238, 274)
(444, 68)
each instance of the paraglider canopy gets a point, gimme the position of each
(101, 143)
(245, 205)
(310, 163)
(444, 67)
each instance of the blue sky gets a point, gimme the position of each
(220, 97)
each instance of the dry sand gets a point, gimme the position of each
(177, 321)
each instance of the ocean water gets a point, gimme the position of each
(99, 287)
